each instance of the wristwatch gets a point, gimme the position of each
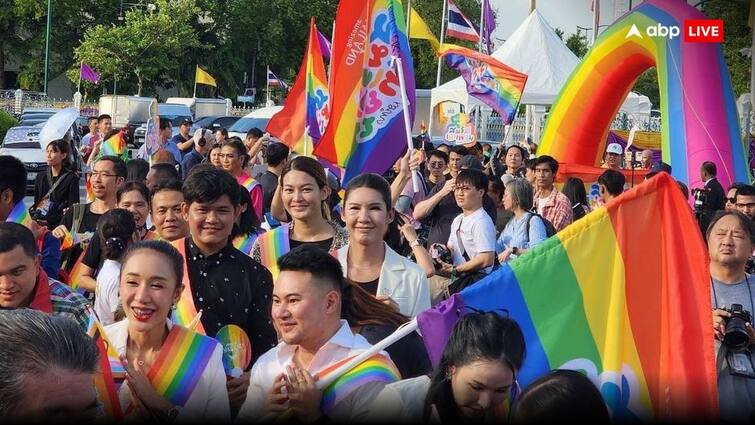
(414, 243)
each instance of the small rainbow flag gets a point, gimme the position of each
(71, 239)
(493, 83)
(377, 368)
(602, 298)
(115, 145)
(75, 276)
(273, 245)
(180, 364)
(110, 369)
(249, 183)
(19, 214)
(245, 243)
(89, 191)
(186, 312)
(237, 349)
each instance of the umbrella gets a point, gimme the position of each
(57, 126)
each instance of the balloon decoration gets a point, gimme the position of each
(699, 115)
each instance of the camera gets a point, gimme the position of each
(440, 252)
(736, 337)
(701, 199)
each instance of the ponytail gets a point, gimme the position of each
(360, 308)
(115, 230)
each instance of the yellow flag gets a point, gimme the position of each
(203, 77)
(418, 29)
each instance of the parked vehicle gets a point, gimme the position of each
(202, 107)
(174, 112)
(126, 111)
(215, 122)
(257, 118)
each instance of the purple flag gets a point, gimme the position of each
(489, 25)
(87, 73)
(324, 45)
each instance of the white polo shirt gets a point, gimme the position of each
(353, 408)
(476, 232)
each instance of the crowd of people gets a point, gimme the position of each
(246, 233)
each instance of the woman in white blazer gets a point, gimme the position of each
(367, 260)
(150, 284)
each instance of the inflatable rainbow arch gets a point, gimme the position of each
(699, 115)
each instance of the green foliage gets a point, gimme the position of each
(577, 43)
(647, 84)
(737, 36)
(6, 121)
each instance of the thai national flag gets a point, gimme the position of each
(274, 81)
(459, 26)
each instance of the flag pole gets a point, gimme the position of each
(407, 125)
(78, 88)
(408, 16)
(442, 38)
(267, 85)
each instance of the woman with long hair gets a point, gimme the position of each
(303, 192)
(234, 157)
(476, 374)
(149, 344)
(57, 188)
(116, 230)
(367, 260)
(574, 189)
(247, 228)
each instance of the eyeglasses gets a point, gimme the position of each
(102, 174)
(732, 200)
(463, 188)
(436, 164)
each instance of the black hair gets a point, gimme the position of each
(131, 186)
(574, 189)
(115, 229)
(472, 176)
(210, 185)
(747, 224)
(165, 123)
(238, 145)
(709, 167)
(745, 190)
(90, 119)
(254, 132)
(13, 235)
(166, 185)
(521, 149)
(314, 169)
(497, 187)
(439, 154)
(374, 182)
(458, 150)
(62, 146)
(13, 177)
(248, 221)
(164, 171)
(561, 396)
(275, 153)
(104, 117)
(683, 187)
(119, 166)
(137, 170)
(476, 336)
(313, 260)
(175, 260)
(530, 164)
(546, 159)
(613, 181)
(736, 186)
(203, 166)
(222, 131)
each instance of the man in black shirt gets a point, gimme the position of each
(276, 156)
(183, 139)
(227, 286)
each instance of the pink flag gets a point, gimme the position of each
(87, 73)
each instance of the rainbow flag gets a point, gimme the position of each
(307, 104)
(366, 131)
(71, 239)
(245, 243)
(115, 145)
(19, 214)
(75, 276)
(377, 368)
(89, 191)
(180, 364)
(110, 369)
(490, 81)
(186, 312)
(272, 246)
(249, 183)
(621, 294)
(237, 349)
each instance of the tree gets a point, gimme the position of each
(146, 50)
(577, 43)
(737, 36)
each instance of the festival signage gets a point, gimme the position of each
(461, 130)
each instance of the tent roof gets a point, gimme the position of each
(534, 49)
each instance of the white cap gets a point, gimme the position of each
(614, 148)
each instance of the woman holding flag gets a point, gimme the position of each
(172, 373)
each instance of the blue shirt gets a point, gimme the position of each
(190, 160)
(515, 233)
(51, 255)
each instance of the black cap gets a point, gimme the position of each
(186, 121)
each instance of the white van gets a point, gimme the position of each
(257, 118)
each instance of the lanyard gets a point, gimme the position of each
(715, 298)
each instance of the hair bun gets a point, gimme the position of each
(115, 244)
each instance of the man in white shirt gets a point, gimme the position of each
(306, 311)
(472, 239)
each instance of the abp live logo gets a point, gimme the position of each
(695, 31)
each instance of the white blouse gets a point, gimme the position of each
(208, 401)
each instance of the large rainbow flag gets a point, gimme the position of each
(307, 104)
(366, 131)
(490, 81)
(115, 145)
(621, 294)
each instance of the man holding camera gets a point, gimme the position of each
(731, 237)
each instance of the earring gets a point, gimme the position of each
(173, 307)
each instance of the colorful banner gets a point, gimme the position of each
(237, 349)
(377, 368)
(366, 132)
(19, 214)
(116, 146)
(631, 311)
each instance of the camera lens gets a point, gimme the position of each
(736, 337)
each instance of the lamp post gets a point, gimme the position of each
(47, 42)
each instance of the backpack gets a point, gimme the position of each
(550, 230)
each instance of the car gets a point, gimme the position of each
(173, 112)
(22, 142)
(215, 122)
(257, 118)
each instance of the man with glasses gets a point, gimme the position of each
(551, 204)
(436, 168)
(745, 201)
